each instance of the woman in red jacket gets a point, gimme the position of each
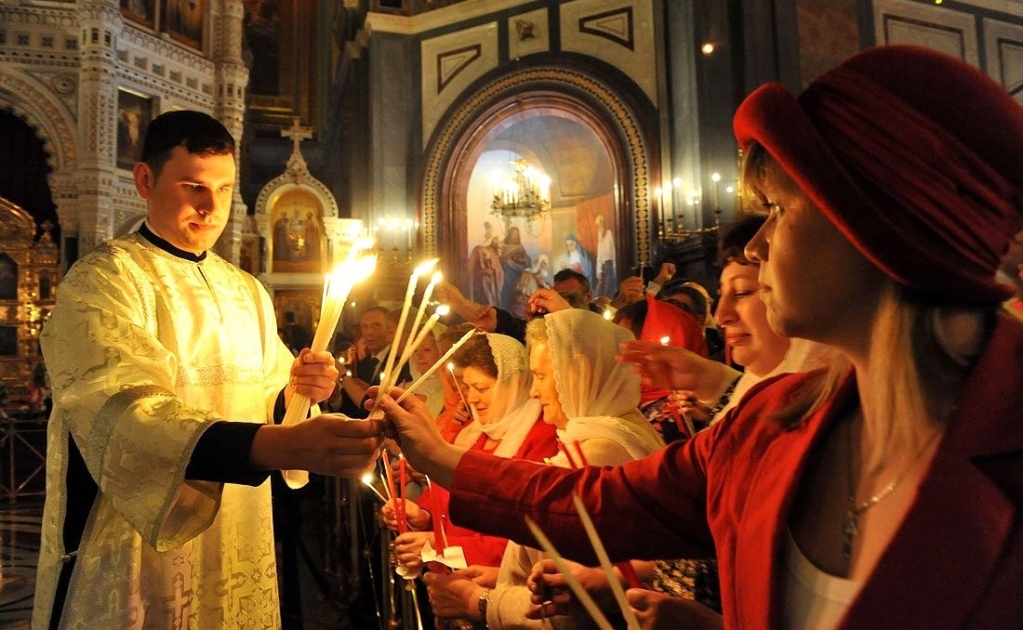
(885, 491)
(508, 423)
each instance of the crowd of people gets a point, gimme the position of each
(832, 442)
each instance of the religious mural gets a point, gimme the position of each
(133, 115)
(510, 257)
(297, 236)
(184, 19)
(141, 12)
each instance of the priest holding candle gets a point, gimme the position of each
(169, 381)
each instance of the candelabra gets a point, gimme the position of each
(672, 228)
(525, 193)
(400, 235)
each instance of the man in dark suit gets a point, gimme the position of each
(377, 336)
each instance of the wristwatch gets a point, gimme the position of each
(484, 600)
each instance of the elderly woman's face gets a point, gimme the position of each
(743, 317)
(543, 388)
(815, 284)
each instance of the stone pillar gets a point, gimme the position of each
(231, 80)
(65, 197)
(93, 181)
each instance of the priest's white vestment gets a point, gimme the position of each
(146, 350)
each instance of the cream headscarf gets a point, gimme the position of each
(512, 412)
(598, 393)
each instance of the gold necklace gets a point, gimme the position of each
(850, 528)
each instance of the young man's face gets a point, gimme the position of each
(189, 202)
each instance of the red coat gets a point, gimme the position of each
(955, 562)
(540, 442)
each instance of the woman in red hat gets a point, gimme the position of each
(885, 491)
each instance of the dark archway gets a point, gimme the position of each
(24, 170)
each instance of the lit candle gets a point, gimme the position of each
(433, 368)
(410, 291)
(605, 563)
(451, 369)
(410, 348)
(340, 284)
(367, 479)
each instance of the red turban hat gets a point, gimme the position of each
(915, 156)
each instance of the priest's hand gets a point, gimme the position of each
(658, 611)
(411, 424)
(329, 444)
(454, 595)
(313, 374)
(408, 548)
(415, 516)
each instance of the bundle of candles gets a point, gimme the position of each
(441, 552)
(336, 287)
(415, 336)
(605, 563)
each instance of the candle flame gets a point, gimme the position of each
(451, 367)
(364, 267)
(607, 315)
(426, 267)
(443, 310)
(437, 277)
(367, 479)
(664, 340)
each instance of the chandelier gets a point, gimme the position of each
(523, 193)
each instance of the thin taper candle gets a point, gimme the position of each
(605, 563)
(433, 368)
(367, 480)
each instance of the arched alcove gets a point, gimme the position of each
(596, 145)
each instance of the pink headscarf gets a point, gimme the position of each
(683, 331)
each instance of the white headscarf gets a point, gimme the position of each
(512, 412)
(598, 393)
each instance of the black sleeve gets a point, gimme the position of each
(222, 454)
(280, 408)
(508, 324)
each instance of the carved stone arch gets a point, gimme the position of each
(35, 103)
(625, 125)
(290, 180)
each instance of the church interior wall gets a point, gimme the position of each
(63, 67)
